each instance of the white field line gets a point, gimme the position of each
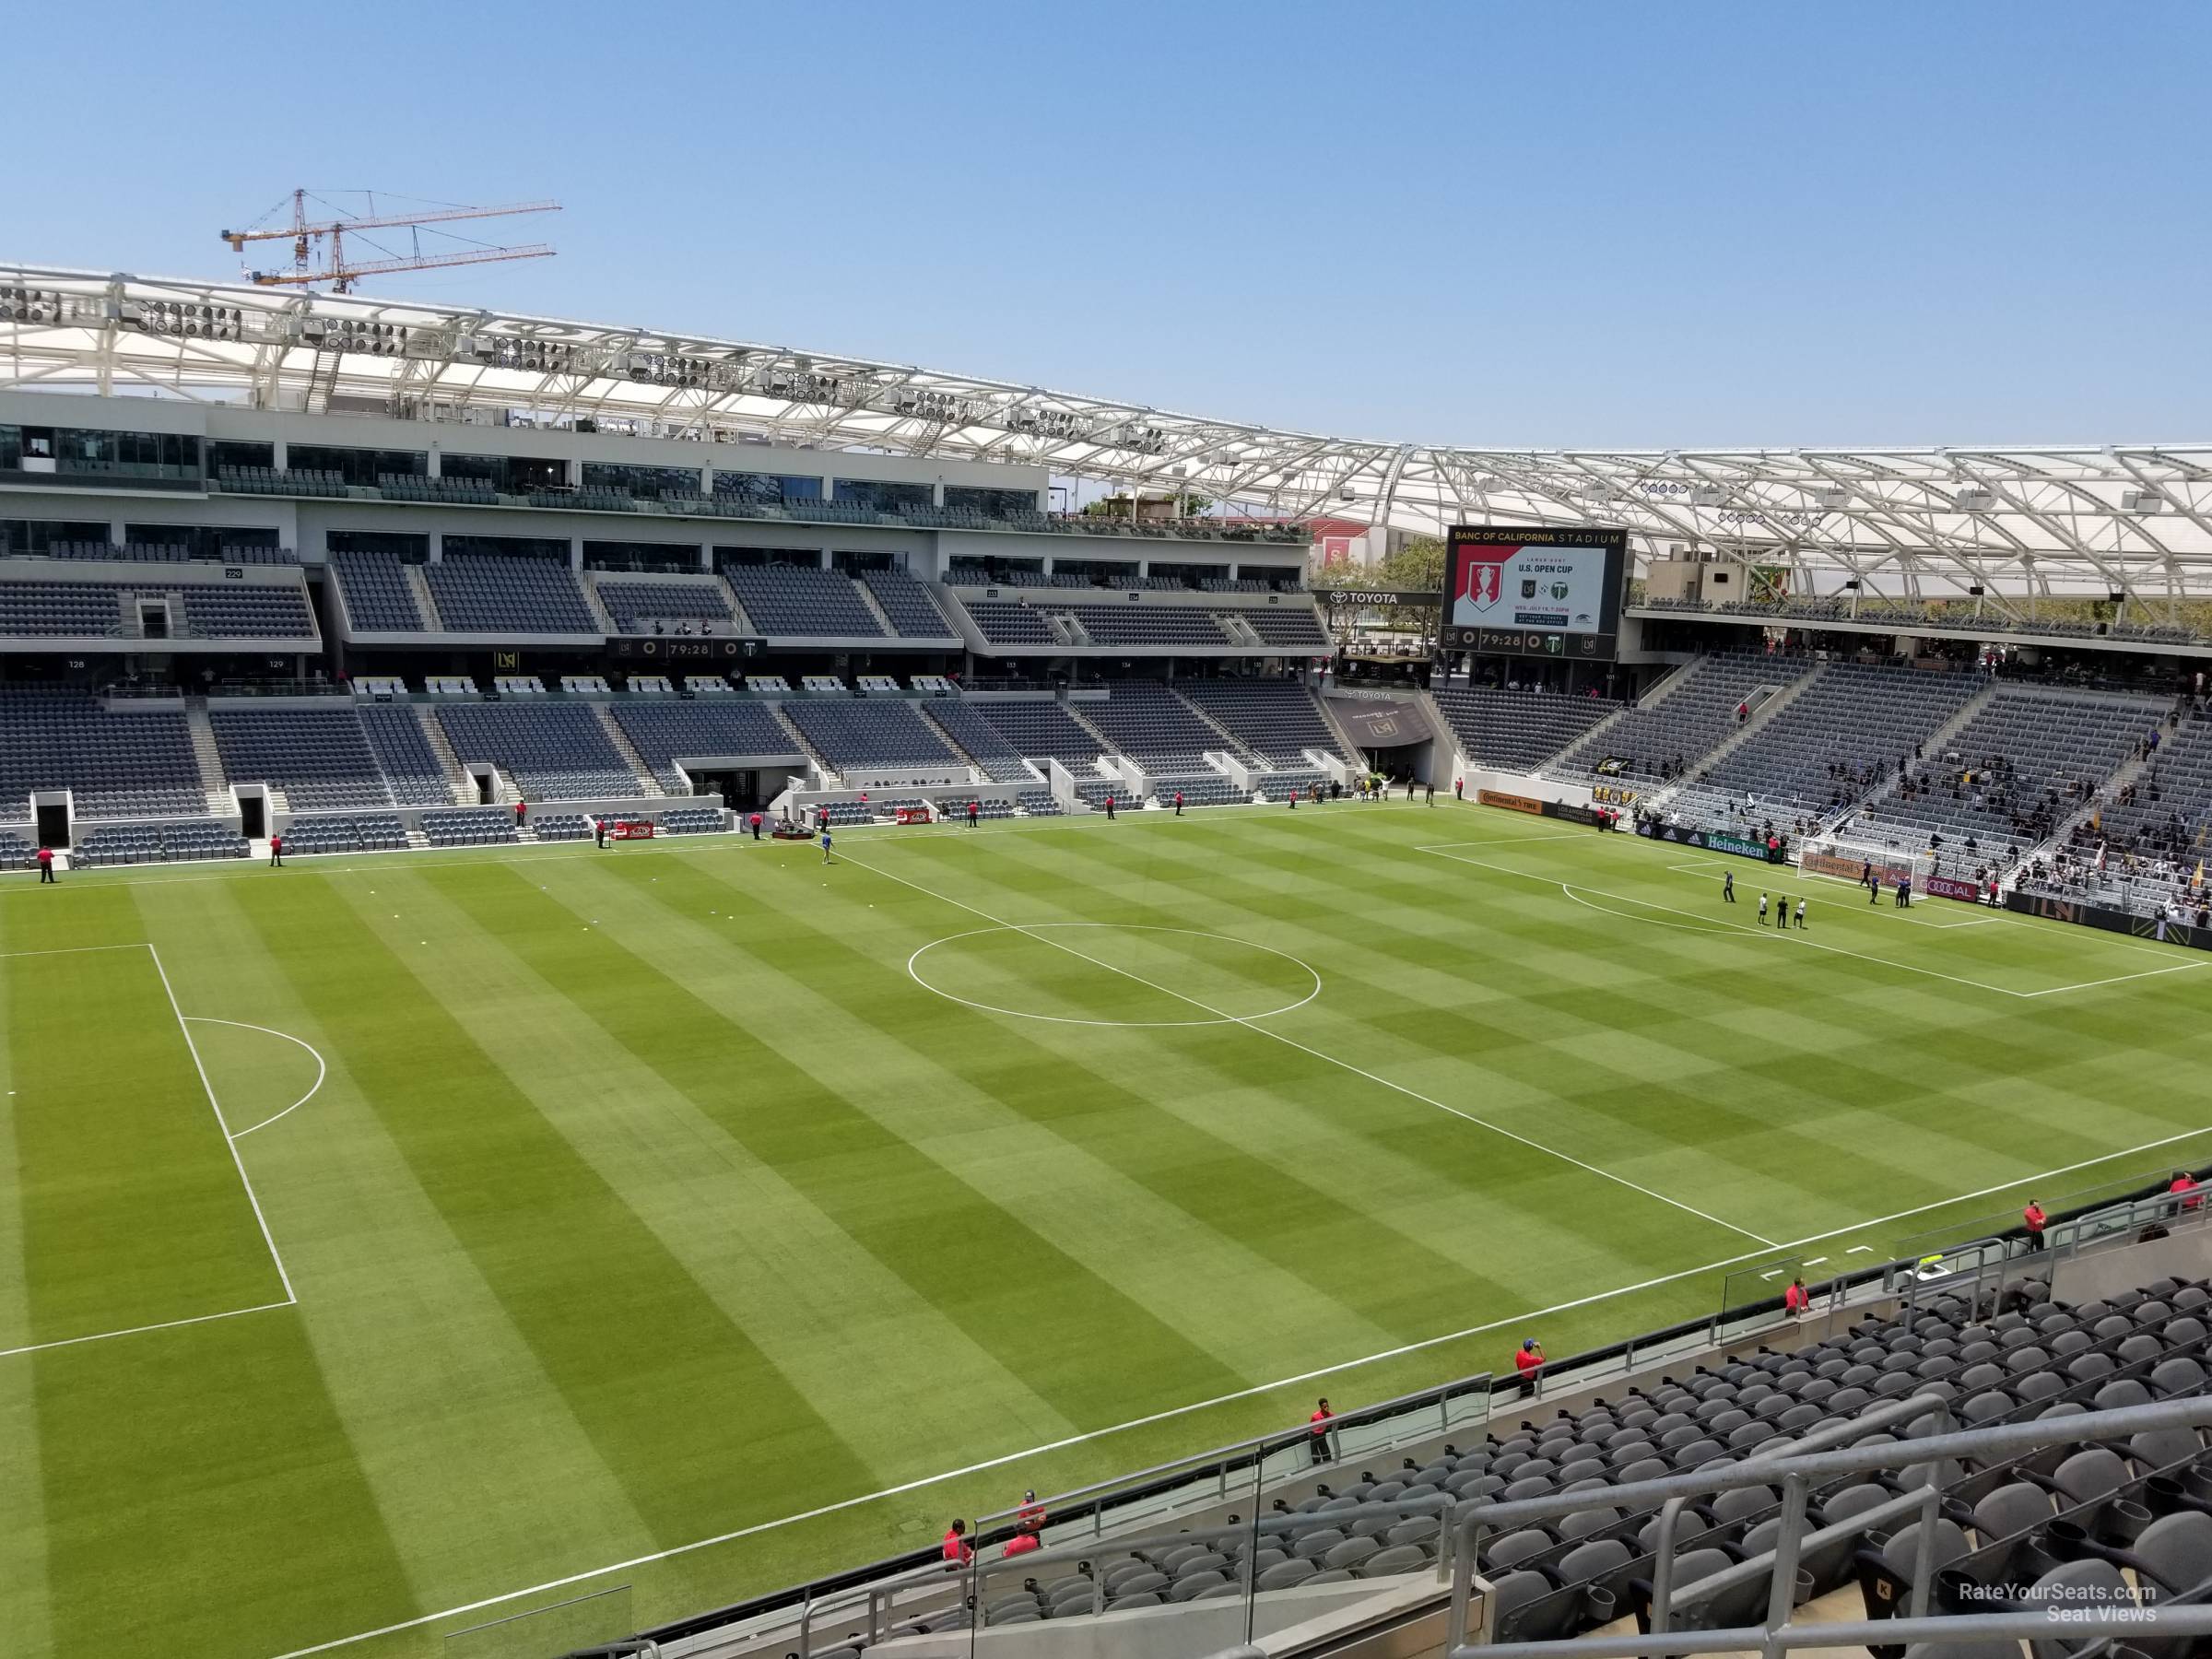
(77, 949)
(166, 1324)
(229, 1140)
(1038, 934)
(1712, 924)
(923, 1482)
(322, 1068)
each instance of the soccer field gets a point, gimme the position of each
(390, 1238)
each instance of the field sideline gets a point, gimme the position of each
(394, 1238)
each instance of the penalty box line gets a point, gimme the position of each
(230, 1141)
(922, 1483)
(1040, 936)
(1721, 923)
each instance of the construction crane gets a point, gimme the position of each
(340, 271)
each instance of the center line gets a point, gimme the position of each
(1412, 1094)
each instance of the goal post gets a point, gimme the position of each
(1846, 860)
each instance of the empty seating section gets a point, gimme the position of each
(508, 594)
(1205, 789)
(134, 762)
(637, 605)
(469, 827)
(693, 820)
(864, 732)
(1281, 785)
(2152, 835)
(2016, 771)
(1841, 735)
(561, 826)
(1150, 723)
(1517, 731)
(1043, 729)
(1277, 720)
(248, 613)
(16, 851)
(914, 612)
(1038, 803)
(663, 733)
(378, 832)
(1149, 625)
(155, 843)
(982, 742)
(1006, 622)
(1695, 715)
(58, 609)
(802, 602)
(1298, 628)
(404, 755)
(320, 757)
(553, 752)
(378, 599)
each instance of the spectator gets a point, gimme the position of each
(2033, 1220)
(957, 1552)
(1317, 1437)
(1528, 1361)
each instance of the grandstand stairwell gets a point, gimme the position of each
(1934, 744)
(456, 776)
(1439, 729)
(647, 782)
(729, 595)
(418, 585)
(599, 607)
(883, 617)
(1767, 703)
(798, 741)
(1228, 741)
(214, 781)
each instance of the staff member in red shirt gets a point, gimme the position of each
(1021, 1543)
(754, 822)
(1528, 1359)
(1029, 1517)
(2032, 1219)
(2185, 1182)
(276, 852)
(1317, 1439)
(1179, 803)
(45, 865)
(957, 1552)
(1796, 1299)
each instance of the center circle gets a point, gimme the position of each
(1204, 1011)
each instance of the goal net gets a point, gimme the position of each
(1847, 860)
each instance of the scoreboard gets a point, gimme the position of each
(1539, 591)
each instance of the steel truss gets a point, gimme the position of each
(2065, 520)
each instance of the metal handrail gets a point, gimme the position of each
(1800, 1469)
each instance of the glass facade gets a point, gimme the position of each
(21, 537)
(405, 545)
(509, 474)
(511, 546)
(885, 497)
(207, 541)
(79, 452)
(356, 466)
(224, 452)
(990, 502)
(853, 563)
(639, 556)
(803, 558)
(647, 483)
(767, 489)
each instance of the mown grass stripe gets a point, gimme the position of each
(1005, 1283)
(702, 1431)
(1330, 1246)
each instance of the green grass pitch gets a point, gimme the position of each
(636, 1199)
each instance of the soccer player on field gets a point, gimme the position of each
(1801, 913)
(825, 842)
(1728, 888)
(1762, 910)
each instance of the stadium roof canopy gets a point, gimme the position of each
(2056, 519)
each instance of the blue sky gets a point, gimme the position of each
(1531, 225)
